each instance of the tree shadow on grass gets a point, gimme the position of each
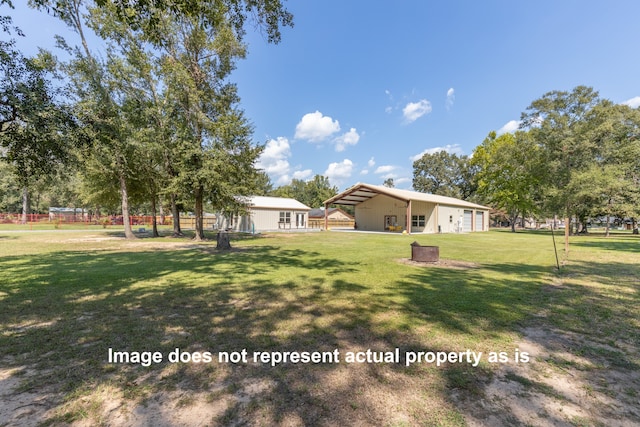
(63, 311)
(613, 243)
(498, 295)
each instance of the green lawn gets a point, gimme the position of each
(67, 297)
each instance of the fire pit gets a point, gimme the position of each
(421, 253)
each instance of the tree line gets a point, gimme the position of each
(575, 155)
(149, 114)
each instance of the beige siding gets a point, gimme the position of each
(370, 215)
(268, 220)
(428, 210)
(448, 218)
(338, 216)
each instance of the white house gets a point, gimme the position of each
(379, 208)
(268, 214)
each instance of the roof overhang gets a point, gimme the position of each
(359, 193)
(362, 192)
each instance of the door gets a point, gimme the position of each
(467, 224)
(479, 221)
(300, 220)
(390, 222)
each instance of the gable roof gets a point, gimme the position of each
(362, 192)
(265, 202)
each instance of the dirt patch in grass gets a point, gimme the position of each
(556, 388)
(574, 377)
(22, 408)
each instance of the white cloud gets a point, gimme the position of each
(315, 127)
(273, 159)
(414, 110)
(450, 98)
(302, 174)
(400, 181)
(371, 162)
(509, 127)
(633, 102)
(339, 172)
(283, 180)
(349, 138)
(449, 148)
(364, 172)
(385, 169)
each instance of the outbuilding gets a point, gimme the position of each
(268, 214)
(379, 208)
(337, 218)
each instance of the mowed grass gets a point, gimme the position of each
(66, 298)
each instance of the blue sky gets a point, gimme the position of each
(356, 90)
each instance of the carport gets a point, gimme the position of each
(379, 208)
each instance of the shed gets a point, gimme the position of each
(337, 218)
(379, 208)
(268, 214)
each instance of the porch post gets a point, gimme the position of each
(326, 217)
(409, 217)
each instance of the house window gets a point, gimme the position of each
(417, 220)
(285, 217)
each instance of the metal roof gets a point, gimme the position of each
(362, 192)
(275, 203)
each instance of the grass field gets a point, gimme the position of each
(67, 297)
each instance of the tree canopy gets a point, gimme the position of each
(443, 173)
(159, 107)
(35, 124)
(312, 193)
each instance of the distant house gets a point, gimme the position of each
(268, 214)
(337, 218)
(379, 208)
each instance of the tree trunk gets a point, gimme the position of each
(634, 226)
(161, 211)
(606, 228)
(513, 218)
(567, 224)
(154, 222)
(223, 241)
(175, 213)
(199, 212)
(25, 204)
(128, 232)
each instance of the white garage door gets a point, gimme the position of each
(479, 221)
(468, 221)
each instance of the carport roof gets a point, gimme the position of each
(362, 192)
